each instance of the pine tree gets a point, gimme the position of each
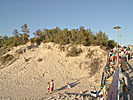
(25, 31)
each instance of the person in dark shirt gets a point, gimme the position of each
(122, 64)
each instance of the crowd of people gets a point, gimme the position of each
(124, 55)
(123, 52)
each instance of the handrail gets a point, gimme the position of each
(119, 82)
(103, 74)
(114, 89)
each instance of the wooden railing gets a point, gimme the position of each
(103, 74)
(114, 88)
(113, 93)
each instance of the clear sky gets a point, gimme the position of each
(93, 14)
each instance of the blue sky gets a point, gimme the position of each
(93, 14)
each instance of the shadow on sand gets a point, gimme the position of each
(73, 84)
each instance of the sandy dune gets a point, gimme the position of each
(23, 80)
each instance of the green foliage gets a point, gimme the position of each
(8, 42)
(74, 36)
(56, 35)
(74, 52)
(37, 40)
(101, 39)
(38, 33)
(6, 58)
(2, 51)
(25, 35)
(32, 40)
(15, 32)
(112, 44)
(19, 51)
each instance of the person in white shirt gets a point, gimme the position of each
(51, 86)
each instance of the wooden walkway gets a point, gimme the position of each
(113, 91)
(125, 78)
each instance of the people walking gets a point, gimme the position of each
(123, 65)
(51, 86)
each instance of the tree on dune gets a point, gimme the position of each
(25, 31)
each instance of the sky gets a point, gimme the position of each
(92, 14)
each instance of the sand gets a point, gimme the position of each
(21, 80)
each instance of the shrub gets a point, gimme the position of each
(6, 57)
(26, 59)
(2, 51)
(39, 59)
(19, 51)
(74, 52)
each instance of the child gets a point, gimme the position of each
(48, 87)
(94, 92)
(68, 85)
(100, 94)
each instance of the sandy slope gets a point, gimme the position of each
(28, 80)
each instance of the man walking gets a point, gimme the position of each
(51, 86)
